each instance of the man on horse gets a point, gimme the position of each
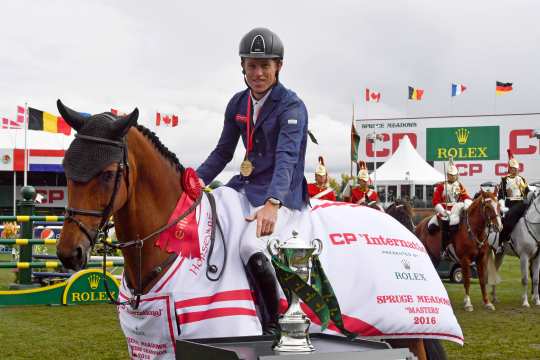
(362, 193)
(321, 189)
(450, 198)
(512, 194)
(272, 121)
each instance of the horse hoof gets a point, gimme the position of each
(495, 300)
(468, 308)
(526, 305)
(489, 306)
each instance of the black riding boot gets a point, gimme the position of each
(263, 280)
(445, 232)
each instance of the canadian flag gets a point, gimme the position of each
(167, 120)
(372, 95)
(117, 112)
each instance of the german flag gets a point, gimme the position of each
(44, 121)
(415, 94)
(503, 88)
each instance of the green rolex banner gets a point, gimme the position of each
(463, 143)
(319, 296)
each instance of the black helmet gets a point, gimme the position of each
(261, 43)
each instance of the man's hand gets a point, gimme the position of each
(266, 219)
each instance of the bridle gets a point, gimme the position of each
(101, 233)
(489, 219)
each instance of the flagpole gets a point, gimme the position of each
(352, 124)
(25, 182)
(14, 174)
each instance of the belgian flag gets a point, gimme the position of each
(415, 94)
(502, 88)
(44, 121)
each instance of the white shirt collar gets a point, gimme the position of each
(258, 104)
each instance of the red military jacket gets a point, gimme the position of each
(453, 193)
(327, 193)
(359, 195)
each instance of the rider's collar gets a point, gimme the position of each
(263, 99)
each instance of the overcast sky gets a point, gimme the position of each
(182, 57)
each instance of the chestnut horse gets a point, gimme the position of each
(469, 242)
(139, 188)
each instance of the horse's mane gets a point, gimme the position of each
(162, 149)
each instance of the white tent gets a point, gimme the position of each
(405, 174)
(406, 166)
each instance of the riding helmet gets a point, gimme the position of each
(261, 43)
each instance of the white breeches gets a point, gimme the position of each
(287, 220)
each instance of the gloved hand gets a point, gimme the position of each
(467, 203)
(441, 211)
(504, 209)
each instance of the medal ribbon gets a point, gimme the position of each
(250, 131)
(319, 296)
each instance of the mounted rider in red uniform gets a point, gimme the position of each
(512, 195)
(362, 194)
(449, 200)
(321, 189)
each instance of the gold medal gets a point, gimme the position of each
(246, 168)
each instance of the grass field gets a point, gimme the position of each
(92, 331)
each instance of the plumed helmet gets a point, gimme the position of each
(261, 43)
(363, 173)
(321, 169)
(452, 169)
(513, 163)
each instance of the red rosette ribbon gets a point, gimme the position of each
(191, 184)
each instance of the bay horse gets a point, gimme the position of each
(402, 211)
(469, 242)
(139, 187)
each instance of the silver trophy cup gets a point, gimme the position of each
(294, 324)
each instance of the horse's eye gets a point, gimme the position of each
(107, 176)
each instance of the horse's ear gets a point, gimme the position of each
(72, 117)
(122, 125)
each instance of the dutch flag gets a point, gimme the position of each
(457, 89)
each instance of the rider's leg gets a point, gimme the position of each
(433, 225)
(263, 278)
(509, 221)
(445, 227)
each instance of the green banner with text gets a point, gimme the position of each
(463, 143)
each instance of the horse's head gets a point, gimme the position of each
(402, 211)
(96, 168)
(491, 209)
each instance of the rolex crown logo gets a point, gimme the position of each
(462, 135)
(406, 264)
(93, 280)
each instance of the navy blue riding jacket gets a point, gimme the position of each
(278, 153)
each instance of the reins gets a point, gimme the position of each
(101, 233)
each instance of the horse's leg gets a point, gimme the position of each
(535, 280)
(498, 262)
(466, 270)
(482, 277)
(524, 262)
(416, 346)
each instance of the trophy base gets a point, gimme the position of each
(294, 336)
(329, 347)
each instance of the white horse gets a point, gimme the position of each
(524, 243)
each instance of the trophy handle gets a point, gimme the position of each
(273, 246)
(318, 245)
